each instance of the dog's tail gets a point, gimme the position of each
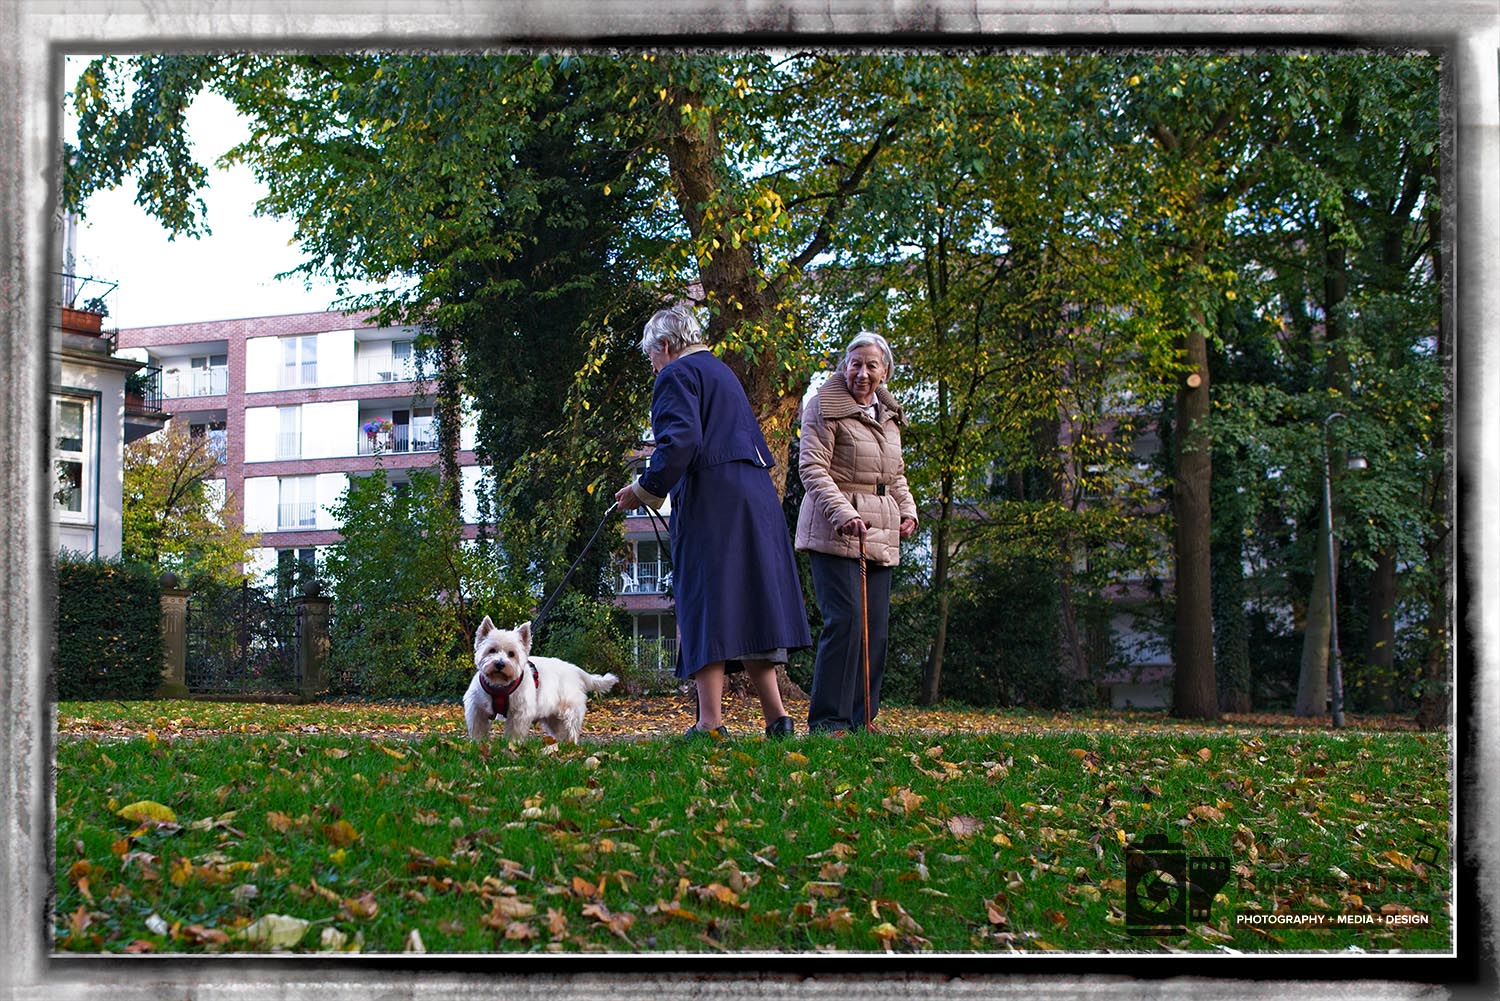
(599, 682)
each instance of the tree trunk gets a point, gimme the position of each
(1380, 638)
(1194, 691)
(449, 416)
(932, 671)
(1312, 683)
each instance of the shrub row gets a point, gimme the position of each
(109, 643)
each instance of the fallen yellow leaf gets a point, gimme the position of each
(147, 811)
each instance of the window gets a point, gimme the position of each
(401, 361)
(423, 430)
(289, 442)
(299, 361)
(71, 457)
(210, 375)
(298, 506)
(294, 567)
(218, 438)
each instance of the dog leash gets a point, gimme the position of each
(541, 616)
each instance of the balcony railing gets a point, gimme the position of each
(143, 390)
(213, 382)
(400, 439)
(385, 370)
(645, 578)
(289, 445)
(657, 654)
(303, 514)
(297, 376)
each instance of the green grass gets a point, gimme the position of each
(954, 844)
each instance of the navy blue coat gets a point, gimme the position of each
(734, 574)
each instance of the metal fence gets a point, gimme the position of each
(240, 641)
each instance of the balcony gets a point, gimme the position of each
(303, 514)
(645, 578)
(289, 445)
(400, 439)
(199, 382)
(143, 411)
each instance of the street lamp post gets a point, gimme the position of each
(1335, 668)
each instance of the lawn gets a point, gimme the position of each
(208, 827)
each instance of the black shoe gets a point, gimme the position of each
(695, 732)
(781, 728)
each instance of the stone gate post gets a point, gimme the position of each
(174, 601)
(312, 641)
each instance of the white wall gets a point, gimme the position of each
(331, 487)
(336, 358)
(329, 429)
(470, 479)
(468, 425)
(262, 364)
(262, 425)
(261, 499)
(104, 434)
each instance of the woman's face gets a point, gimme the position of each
(864, 369)
(659, 356)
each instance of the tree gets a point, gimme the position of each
(173, 518)
(409, 592)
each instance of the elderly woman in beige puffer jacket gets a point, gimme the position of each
(851, 467)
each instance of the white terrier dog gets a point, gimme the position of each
(509, 682)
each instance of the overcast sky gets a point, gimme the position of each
(226, 275)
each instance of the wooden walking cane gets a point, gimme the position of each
(864, 618)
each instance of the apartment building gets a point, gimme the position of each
(295, 405)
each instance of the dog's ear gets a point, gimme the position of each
(485, 628)
(524, 631)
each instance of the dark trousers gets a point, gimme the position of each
(838, 688)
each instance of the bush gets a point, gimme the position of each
(108, 629)
(409, 591)
(587, 632)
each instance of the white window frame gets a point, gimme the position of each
(299, 361)
(292, 492)
(83, 456)
(202, 368)
(289, 433)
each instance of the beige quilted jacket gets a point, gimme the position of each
(851, 465)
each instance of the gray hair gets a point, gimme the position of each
(861, 339)
(673, 328)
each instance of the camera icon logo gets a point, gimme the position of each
(1165, 887)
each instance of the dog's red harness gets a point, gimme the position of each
(500, 697)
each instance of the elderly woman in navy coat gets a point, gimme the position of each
(734, 575)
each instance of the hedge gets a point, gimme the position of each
(109, 643)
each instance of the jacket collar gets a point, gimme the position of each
(835, 401)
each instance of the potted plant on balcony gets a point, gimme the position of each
(377, 430)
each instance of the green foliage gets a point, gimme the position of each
(409, 591)
(586, 631)
(171, 520)
(109, 643)
(1049, 241)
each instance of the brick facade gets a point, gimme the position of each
(230, 337)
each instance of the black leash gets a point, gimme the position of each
(540, 617)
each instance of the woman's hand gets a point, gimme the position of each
(908, 527)
(627, 498)
(854, 526)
